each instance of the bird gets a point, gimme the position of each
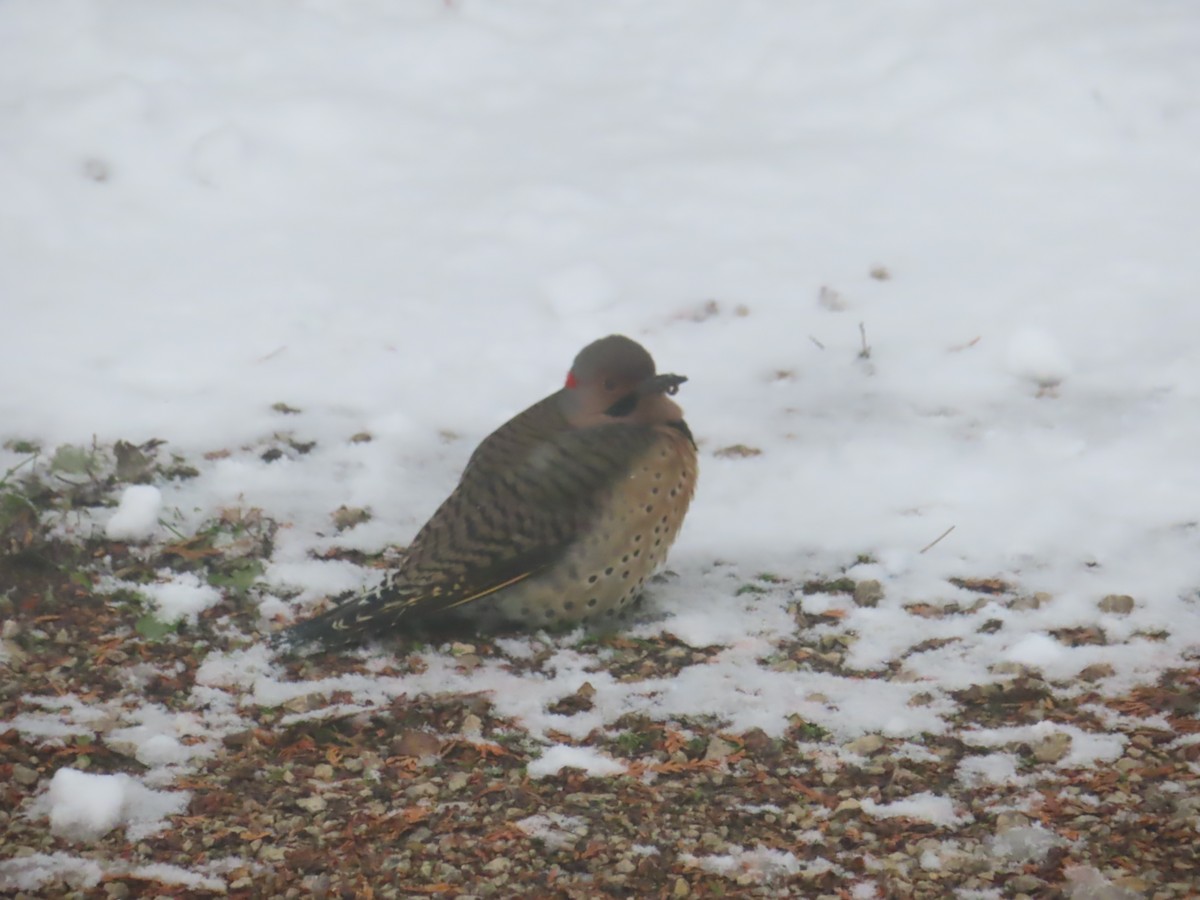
(558, 519)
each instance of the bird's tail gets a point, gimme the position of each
(355, 621)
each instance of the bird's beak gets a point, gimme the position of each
(660, 384)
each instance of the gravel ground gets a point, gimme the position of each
(384, 804)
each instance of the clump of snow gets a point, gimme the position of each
(35, 871)
(989, 768)
(184, 597)
(761, 864)
(556, 830)
(165, 873)
(39, 870)
(1036, 650)
(136, 518)
(1025, 843)
(1034, 354)
(561, 756)
(83, 806)
(924, 807)
(1086, 748)
(236, 668)
(1089, 883)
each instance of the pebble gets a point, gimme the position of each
(1119, 604)
(1052, 748)
(314, 804)
(1027, 884)
(1096, 671)
(866, 745)
(868, 593)
(24, 775)
(718, 748)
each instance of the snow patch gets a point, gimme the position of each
(84, 807)
(136, 518)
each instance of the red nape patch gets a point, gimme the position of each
(571, 382)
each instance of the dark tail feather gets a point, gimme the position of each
(369, 615)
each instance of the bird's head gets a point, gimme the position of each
(613, 380)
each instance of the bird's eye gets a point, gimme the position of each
(609, 384)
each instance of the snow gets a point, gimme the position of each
(923, 807)
(1027, 843)
(936, 262)
(28, 873)
(1086, 748)
(38, 870)
(556, 830)
(136, 517)
(758, 864)
(990, 768)
(561, 756)
(83, 806)
(184, 596)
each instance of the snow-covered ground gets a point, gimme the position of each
(404, 219)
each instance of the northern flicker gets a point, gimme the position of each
(560, 516)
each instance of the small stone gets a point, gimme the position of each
(1096, 671)
(98, 170)
(737, 451)
(24, 775)
(117, 890)
(868, 593)
(1125, 764)
(303, 703)
(272, 853)
(1025, 602)
(867, 745)
(458, 781)
(1007, 820)
(1027, 884)
(1118, 604)
(681, 888)
(314, 804)
(324, 772)
(497, 865)
(625, 867)
(1138, 886)
(848, 805)
(719, 748)
(347, 517)
(416, 743)
(1052, 748)
(472, 725)
(1008, 667)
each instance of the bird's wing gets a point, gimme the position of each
(522, 500)
(517, 509)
